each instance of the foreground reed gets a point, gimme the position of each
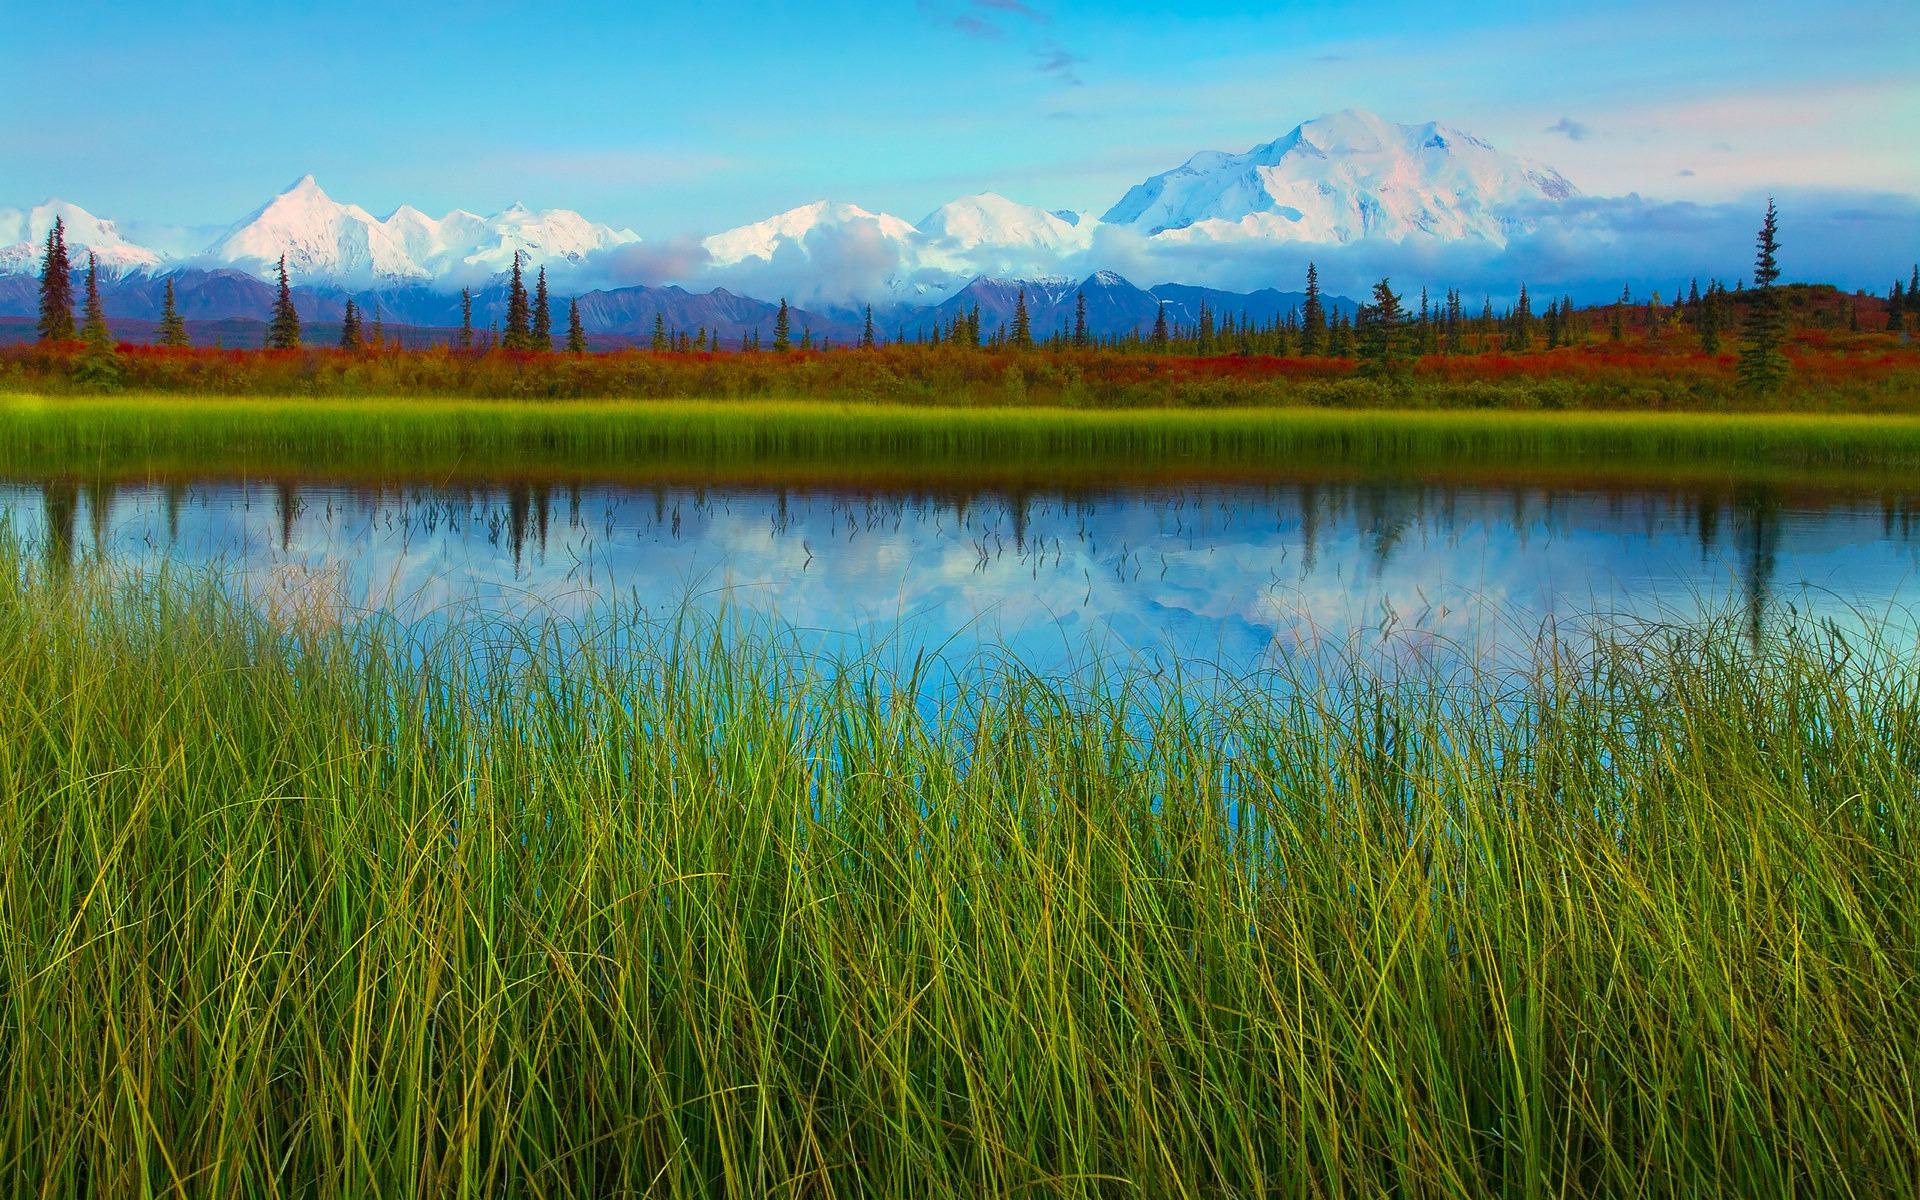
(292, 907)
(437, 439)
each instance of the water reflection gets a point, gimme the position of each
(1229, 574)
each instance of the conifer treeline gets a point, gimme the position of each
(1385, 333)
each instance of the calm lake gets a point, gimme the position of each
(1231, 575)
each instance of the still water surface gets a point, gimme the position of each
(1232, 575)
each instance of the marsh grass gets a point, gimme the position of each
(324, 908)
(427, 439)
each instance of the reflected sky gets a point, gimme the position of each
(1229, 575)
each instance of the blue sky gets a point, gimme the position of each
(678, 118)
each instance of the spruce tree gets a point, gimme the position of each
(542, 336)
(1160, 338)
(866, 331)
(659, 343)
(283, 331)
(782, 329)
(1896, 308)
(1313, 316)
(1520, 325)
(466, 318)
(1380, 346)
(1763, 363)
(1709, 320)
(94, 332)
(350, 327)
(1022, 337)
(173, 329)
(1080, 320)
(56, 287)
(576, 333)
(519, 332)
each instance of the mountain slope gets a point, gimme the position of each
(1344, 177)
(344, 244)
(23, 238)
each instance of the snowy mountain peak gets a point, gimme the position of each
(23, 237)
(988, 219)
(345, 244)
(1341, 177)
(792, 229)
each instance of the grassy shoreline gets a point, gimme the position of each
(309, 908)
(430, 439)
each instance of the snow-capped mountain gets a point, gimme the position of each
(1341, 178)
(795, 228)
(23, 239)
(974, 235)
(1350, 178)
(345, 244)
(321, 238)
(993, 222)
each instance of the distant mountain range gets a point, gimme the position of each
(1347, 178)
(237, 303)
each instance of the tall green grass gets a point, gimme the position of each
(433, 439)
(290, 907)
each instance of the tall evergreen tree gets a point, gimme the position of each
(350, 327)
(519, 332)
(1022, 337)
(1080, 320)
(283, 331)
(1520, 324)
(576, 333)
(466, 318)
(541, 338)
(866, 331)
(1313, 316)
(56, 287)
(1160, 336)
(1763, 362)
(94, 331)
(782, 329)
(1709, 320)
(973, 325)
(1896, 308)
(659, 343)
(1380, 346)
(173, 329)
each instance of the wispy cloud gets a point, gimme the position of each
(1060, 64)
(1016, 8)
(969, 24)
(1004, 21)
(1570, 129)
